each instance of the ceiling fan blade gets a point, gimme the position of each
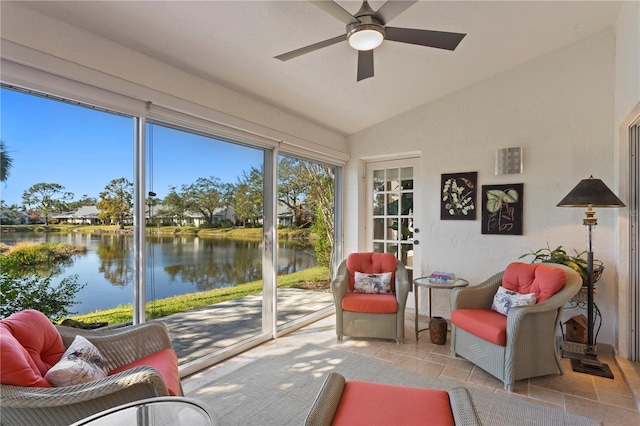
(437, 39)
(311, 48)
(365, 64)
(391, 9)
(334, 9)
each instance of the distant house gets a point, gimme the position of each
(85, 215)
(10, 217)
(158, 213)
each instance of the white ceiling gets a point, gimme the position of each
(234, 43)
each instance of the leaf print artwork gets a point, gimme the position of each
(458, 196)
(502, 209)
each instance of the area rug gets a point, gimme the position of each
(279, 389)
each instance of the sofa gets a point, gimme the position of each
(117, 366)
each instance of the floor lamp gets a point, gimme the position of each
(590, 193)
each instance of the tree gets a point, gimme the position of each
(206, 196)
(174, 205)
(320, 196)
(45, 198)
(6, 162)
(292, 187)
(116, 201)
(247, 199)
(85, 200)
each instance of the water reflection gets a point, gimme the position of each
(175, 264)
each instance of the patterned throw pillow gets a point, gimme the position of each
(80, 363)
(505, 299)
(372, 283)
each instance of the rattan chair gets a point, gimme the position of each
(370, 324)
(67, 404)
(531, 347)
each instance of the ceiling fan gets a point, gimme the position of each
(367, 29)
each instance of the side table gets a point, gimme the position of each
(428, 284)
(159, 411)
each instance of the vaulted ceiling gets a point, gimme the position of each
(234, 43)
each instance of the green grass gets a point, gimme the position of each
(310, 277)
(284, 233)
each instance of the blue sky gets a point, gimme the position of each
(83, 150)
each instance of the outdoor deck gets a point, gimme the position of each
(203, 331)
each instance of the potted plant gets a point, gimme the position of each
(560, 255)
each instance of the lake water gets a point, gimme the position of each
(175, 264)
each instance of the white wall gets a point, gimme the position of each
(626, 110)
(559, 108)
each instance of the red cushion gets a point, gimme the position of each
(364, 403)
(371, 263)
(484, 323)
(166, 362)
(541, 279)
(370, 303)
(30, 346)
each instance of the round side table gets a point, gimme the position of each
(429, 283)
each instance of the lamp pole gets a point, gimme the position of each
(591, 353)
(589, 193)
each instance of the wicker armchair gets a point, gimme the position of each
(530, 349)
(370, 324)
(67, 404)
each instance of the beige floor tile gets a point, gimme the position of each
(420, 366)
(609, 415)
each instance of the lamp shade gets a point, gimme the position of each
(591, 192)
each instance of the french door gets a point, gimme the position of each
(392, 219)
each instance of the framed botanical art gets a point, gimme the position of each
(458, 196)
(502, 209)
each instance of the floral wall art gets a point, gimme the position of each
(502, 209)
(458, 191)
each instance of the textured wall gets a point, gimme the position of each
(559, 108)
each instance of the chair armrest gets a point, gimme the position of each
(327, 401)
(340, 284)
(402, 285)
(464, 412)
(476, 297)
(121, 346)
(66, 404)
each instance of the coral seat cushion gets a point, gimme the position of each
(30, 345)
(542, 280)
(370, 303)
(484, 323)
(166, 362)
(371, 263)
(371, 404)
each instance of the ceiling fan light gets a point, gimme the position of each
(366, 39)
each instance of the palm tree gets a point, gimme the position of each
(5, 162)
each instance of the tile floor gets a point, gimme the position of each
(612, 402)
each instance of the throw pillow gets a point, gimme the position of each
(82, 362)
(505, 299)
(372, 283)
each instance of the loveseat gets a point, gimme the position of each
(138, 361)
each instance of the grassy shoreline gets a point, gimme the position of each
(284, 233)
(316, 278)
